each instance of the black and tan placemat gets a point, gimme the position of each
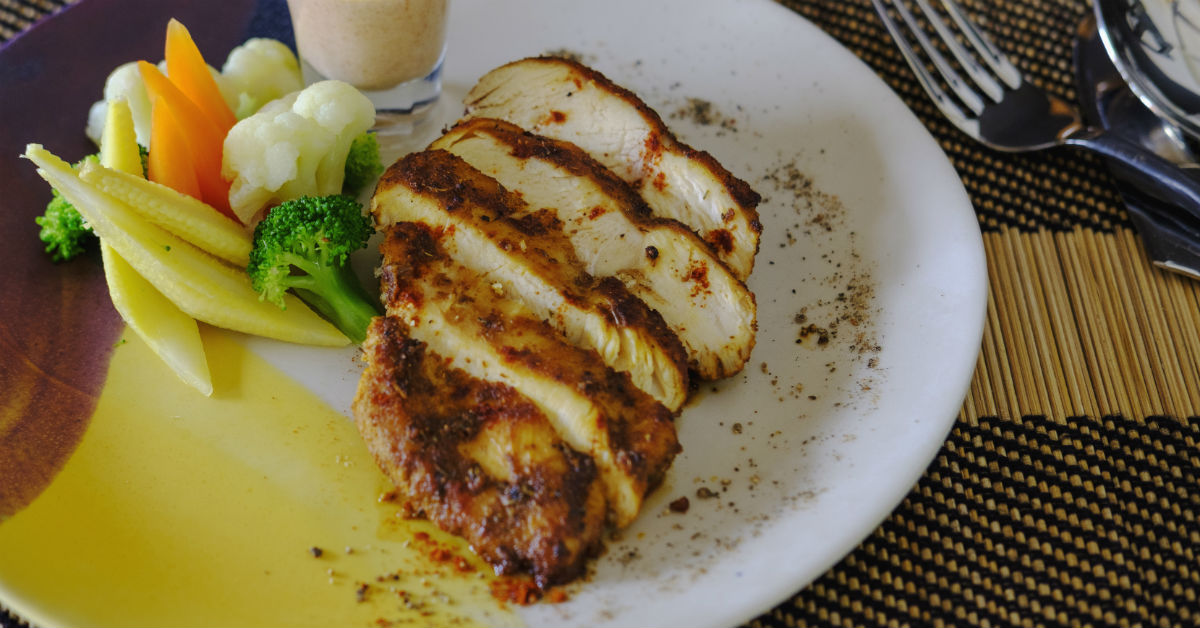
(1068, 492)
(17, 15)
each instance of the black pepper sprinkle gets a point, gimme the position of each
(680, 505)
(651, 252)
(316, 551)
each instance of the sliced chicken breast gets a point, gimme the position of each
(659, 260)
(478, 459)
(486, 333)
(526, 253)
(568, 101)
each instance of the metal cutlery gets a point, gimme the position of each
(1172, 241)
(995, 105)
(1155, 45)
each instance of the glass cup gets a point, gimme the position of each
(391, 50)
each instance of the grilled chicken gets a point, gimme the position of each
(546, 293)
(659, 260)
(478, 459)
(526, 253)
(568, 101)
(486, 333)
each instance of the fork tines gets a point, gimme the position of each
(986, 79)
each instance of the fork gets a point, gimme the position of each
(996, 106)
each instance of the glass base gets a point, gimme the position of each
(400, 134)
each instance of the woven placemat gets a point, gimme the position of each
(1057, 189)
(1068, 492)
(18, 15)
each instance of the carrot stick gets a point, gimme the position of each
(188, 71)
(169, 161)
(204, 140)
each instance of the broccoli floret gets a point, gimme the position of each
(362, 164)
(63, 229)
(304, 245)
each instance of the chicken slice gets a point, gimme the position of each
(659, 260)
(493, 337)
(527, 254)
(568, 101)
(477, 459)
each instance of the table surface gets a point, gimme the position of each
(1068, 491)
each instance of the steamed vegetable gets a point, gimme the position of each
(123, 83)
(178, 213)
(255, 73)
(258, 72)
(65, 232)
(304, 245)
(186, 112)
(294, 146)
(193, 77)
(202, 137)
(362, 164)
(172, 335)
(62, 229)
(204, 287)
(171, 162)
(119, 148)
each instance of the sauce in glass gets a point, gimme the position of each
(371, 44)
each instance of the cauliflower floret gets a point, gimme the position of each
(294, 146)
(124, 82)
(258, 72)
(327, 104)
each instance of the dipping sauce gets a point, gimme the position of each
(371, 44)
(258, 506)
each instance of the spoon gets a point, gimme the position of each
(1171, 237)
(1154, 46)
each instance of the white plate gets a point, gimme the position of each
(812, 446)
(814, 471)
